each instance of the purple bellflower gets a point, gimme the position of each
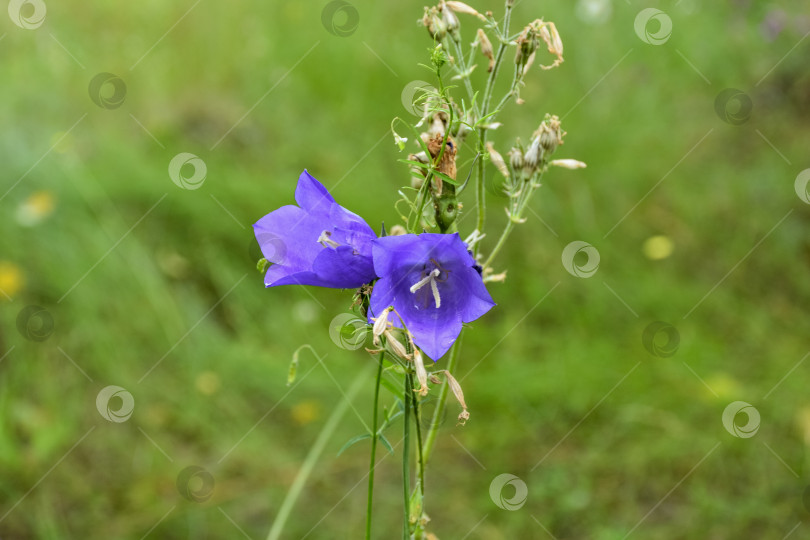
(432, 282)
(317, 242)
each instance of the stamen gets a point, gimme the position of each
(326, 241)
(430, 278)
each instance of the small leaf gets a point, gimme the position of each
(385, 443)
(353, 441)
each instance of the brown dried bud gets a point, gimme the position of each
(486, 48)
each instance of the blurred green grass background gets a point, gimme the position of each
(625, 438)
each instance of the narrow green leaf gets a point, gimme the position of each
(353, 441)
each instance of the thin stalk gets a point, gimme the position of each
(420, 469)
(374, 435)
(511, 223)
(430, 440)
(406, 474)
(482, 132)
(312, 458)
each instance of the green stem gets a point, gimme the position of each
(482, 132)
(312, 458)
(406, 475)
(374, 435)
(420, 463)
(430, 440)
(523, 203)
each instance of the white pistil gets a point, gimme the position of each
(325, 239)
(430, 278)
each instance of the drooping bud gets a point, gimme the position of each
(421, 373)
(568, 164)
(396, 345)
(549, 34)
(486, 48)
(380, 325)
(461, 7)
(456, 389)
(497, 160)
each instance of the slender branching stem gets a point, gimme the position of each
(406, 439)
(530, 187)
(374, 436)
(420, 460)
(482, 131)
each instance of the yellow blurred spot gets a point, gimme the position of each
(207, 383)
(725, 386)
(306, 412)
(35, 208)
(803, 423)
(11, 280)
(658, 247)
(62, 142)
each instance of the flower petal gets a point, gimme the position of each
(311, 195)
(343, 267)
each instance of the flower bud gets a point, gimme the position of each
(432, 20)
(568, 164)
(421, 373)
(461, 7)
(486, 48)
(497, 160)
(548, 33)
(550, 134)
(455, 387)
(516, 158)
(532, 156)
(397, 230)
(450, 20)
(380, 325)
(526, 45)
(396, 345)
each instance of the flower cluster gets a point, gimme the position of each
(431, 280)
